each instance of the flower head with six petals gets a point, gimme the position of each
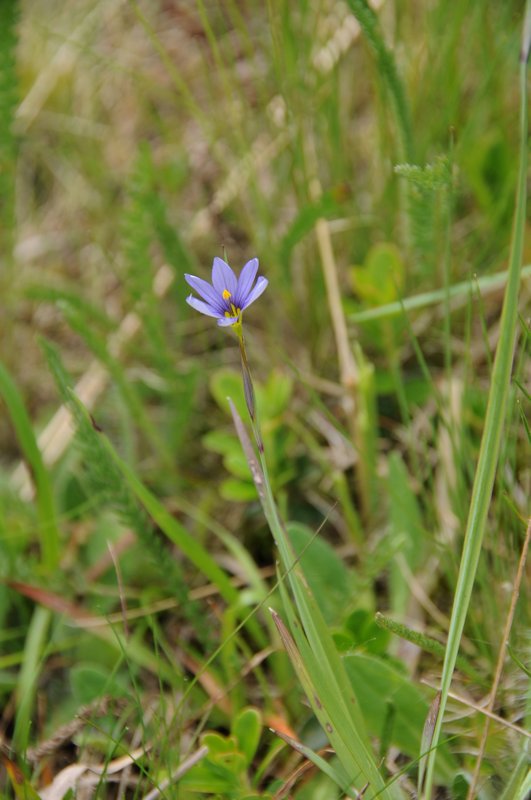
(227, 296)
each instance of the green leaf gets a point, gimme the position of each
(381, 278)
(366, 633)
(209, 778)
(224, 755)
(247, 728)
(218, 744)
(221, 442)
(277, 394)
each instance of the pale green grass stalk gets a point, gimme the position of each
(520, 781)
(485, 285)
(494, 424)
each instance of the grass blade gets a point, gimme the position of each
(28, 675)
(49, 532)
(494, 422)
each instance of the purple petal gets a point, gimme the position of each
(225, 321)
(246, 280)
(223, 277)
(204, 308)
(206, 291)
(261, 285)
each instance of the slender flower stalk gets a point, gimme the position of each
(248, 387)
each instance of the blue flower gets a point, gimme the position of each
(227, 296)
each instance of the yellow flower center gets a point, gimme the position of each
(234, 312)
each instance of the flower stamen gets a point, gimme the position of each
(234, 312)
(226, 294)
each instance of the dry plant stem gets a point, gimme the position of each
(501, 658)
(347, 365)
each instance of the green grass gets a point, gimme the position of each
(315, 600)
